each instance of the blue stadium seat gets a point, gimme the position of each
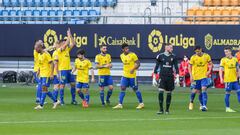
(109, 3)
(76, 13)
(52, 14)
(93, 12)
(59, 13)
(13, 14)
(85, 3)
(20, 14)
(36, 14)
(61, 3)
(15, 3)
(27, 15)
(44, 14)
(102, 3)
(77, 3)
(38, 3)
(30, 3)
(93, 3)
(68, 3)
(45, 3)
(5, 15)
(84, 13)
(1, 15)
(53, 3)
(22, 3)
(6, 3)
(67, 14)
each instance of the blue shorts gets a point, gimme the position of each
(201, 83)
(105, 80)
(45, 81)
(37, 79)
(129, 82)
(55, 80)
(210, 82)
(66, 77)
(80, 85)
(232, 86)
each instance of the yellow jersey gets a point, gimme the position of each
(36, 63)
(230, 69)
(199, 66)
(128, 64)
(64, 61)
(83, 67)
(45, 60)
(103, 60)
(55, 58)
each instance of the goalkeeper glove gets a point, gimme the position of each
(154, 81)
(177, 81)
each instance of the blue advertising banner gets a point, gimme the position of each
(144, 40)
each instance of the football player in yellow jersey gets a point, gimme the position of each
(130, 66)
(35, 70)
(56, 83)
(83, 65)
(45, 72)
(64, 67)
(198, 69)
(103, 64)
(231, 72)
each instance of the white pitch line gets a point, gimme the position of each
(115, 120)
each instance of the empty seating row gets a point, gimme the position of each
(214, 14)
(73, 21)
(59, 3)
(48, 15)
(221, 2)
(209, 22)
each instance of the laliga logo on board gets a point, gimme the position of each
(156, 38)
(50, 37)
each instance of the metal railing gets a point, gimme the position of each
(104, 18)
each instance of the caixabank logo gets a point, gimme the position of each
(51, 36)
(116, 40)
(156, 39)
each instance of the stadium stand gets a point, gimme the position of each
(59, 3)
(214, 12)
(52, 11)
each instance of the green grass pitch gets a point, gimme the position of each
(17, 116)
